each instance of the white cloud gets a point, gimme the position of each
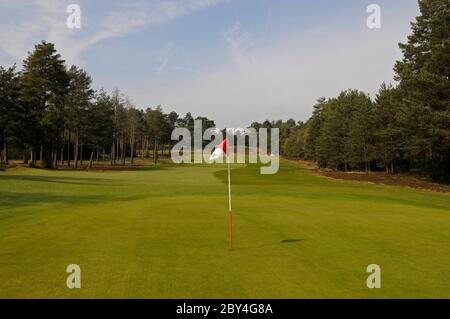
(259, 79)
(16, 36)
(47, 21)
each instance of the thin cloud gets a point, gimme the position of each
(164, 56)
(282, 79)
(240, 45)
(48, 22)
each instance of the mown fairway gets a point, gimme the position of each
(163, 233)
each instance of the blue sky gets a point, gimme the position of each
(232, 60)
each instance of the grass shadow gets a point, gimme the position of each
(126, 168)
(57, 179)
(16, 199)
(290, 241)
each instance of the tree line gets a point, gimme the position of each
(50, 116)
(50, 113)
(405, 128)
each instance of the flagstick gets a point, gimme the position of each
(229, 205)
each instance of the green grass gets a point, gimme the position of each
(163, 233)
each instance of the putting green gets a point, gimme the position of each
(163, 233)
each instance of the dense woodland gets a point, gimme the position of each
(404, 128)
(50, 115)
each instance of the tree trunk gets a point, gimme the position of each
(119, 150)
(5, 151)
(25, 159)
(47, 158)
(114, 150)
(386, 165)
(90, 161)
(33, 156)
(132, 151)
(155, 151)
(111, 160)
(81, 154)
(5, 147)
(62, 148)
(68, 151)
(123, 151)
(366, 160)
(75, 148)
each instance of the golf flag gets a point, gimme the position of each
(219, 152)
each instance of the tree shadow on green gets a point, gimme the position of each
(17, 199)
(291, 241)
(58, 179)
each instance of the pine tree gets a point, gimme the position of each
(100, 122)
(78, 104)
(424, 75)
(44, 86)
(11, 115)
(359, 141)
(313, 130)
(387, 131)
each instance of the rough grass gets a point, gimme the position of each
(163, 233)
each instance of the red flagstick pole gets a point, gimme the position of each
(229, 205)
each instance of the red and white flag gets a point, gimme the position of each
(220, 151)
